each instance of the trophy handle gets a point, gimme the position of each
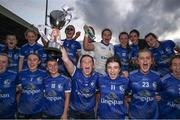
(41, 30)
(68, 19)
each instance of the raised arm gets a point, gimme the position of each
(67, 62)
(44, 42)
(77, 35)
(87, 45)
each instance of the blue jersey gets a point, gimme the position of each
(7, 94)
(72, 47)
(1, 47)
(162, 56)
(143, 87)
(112, 95)
(13, 54)
(28, 49)
(170, 98)
(31, 98)
(83, 93)
(124, 55)
(135, 49)
(55, 89)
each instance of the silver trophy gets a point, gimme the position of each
(58, 19)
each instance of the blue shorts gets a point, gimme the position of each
(46, 116)
(29, 116)
(73, 114)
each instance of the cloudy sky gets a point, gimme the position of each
(159, 16)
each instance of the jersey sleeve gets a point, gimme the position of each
(171, 43)
(21, 52)
(76, 73)
(78, 47)
(67, 86)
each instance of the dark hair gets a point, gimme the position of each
(86, 55)
(35, 55)
(68, 27)
(174, 57)
(123, 33)
(52, 60)
(128, 47)
(135, 31)
(151, 34)
(141, 42)
(5, 49)
(112, 59)
(106, 29)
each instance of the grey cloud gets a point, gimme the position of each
(158, 16)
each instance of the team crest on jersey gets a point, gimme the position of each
(60, 87)
(16, 56)
(92, 84)
(121, 88)
(7, 83)
(39, 80)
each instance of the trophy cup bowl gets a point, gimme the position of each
(58, 19)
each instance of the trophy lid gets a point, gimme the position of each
(57, 19)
